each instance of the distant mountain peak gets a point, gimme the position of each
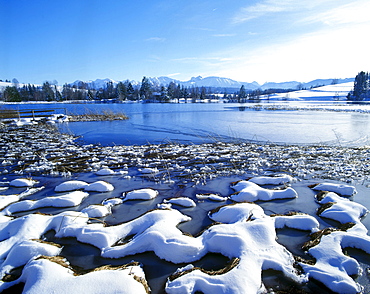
(217, 82)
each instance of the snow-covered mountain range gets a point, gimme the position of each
(213, 82)
(219, 82)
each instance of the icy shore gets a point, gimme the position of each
(37, 150)
(172, 191)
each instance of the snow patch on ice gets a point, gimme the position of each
(248, 191)
(341, 189)
(141, 194)
(182, 201)
(20, 183)
(211, 196)
(98, 186)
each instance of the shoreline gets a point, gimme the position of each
(42, 150)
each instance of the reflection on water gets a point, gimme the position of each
(200, 122)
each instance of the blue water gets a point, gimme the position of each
(209, 122)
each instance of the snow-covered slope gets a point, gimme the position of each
(332, 92)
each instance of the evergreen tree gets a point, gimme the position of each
(171, 90)
(203, 93)
(361, 86)
(242, 94)
(122, 91)
(145, 89)
(130, 90)
(67, 92)
(11, 94)
(163, 94)
(48, 93)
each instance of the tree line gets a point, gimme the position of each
(122, 91)
(126, 91)
(361, 87)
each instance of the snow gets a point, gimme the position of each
(22, 183)
(5, 200)
(141, 194)
(342, 209)
(249, 191)
(97, 211)
(251, 237)
(338, 91)
(45, 276)
(24, 251)
(278, 180)
(211, 196)
(333, 267)
(342, 189)
(242, 232)
(112, 201)
(68, 200)
(70, 186)
(181, 201)
(148, 170)
(98, 186)
(105, 172)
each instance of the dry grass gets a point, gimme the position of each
(316, 237)
(105, 115)
(232, 264)
(323, 207)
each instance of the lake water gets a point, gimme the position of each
(207, 122)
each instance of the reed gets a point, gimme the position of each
(105, 115)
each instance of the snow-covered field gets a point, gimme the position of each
(184, 203)
(329, 92)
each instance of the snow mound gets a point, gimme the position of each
(20, 183)
(211, 196)
(341, 189)
(181, 201)
(248, 191)
(99, 186)
(148, 170)
(141, 194)
(97, 211)
(70, 186)
(248, 234)
(112, 201)
(33, 226)
(69, 200)
(263, 180)
(340, 209)
(236, 213)
(105, 172)
(5, 200)
(24, 251)
(45, 276)
(333, 268)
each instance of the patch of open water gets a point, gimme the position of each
(209, 122)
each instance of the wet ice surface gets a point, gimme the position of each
(177, 170)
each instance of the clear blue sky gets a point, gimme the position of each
(268, 40)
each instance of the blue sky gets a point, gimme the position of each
(263, 41)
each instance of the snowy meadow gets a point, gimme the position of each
(218, 216)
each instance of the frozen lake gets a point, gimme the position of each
(207, 122)
(197, 123)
